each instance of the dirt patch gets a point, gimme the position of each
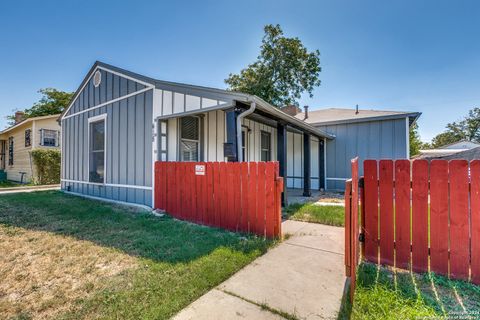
(44, 274)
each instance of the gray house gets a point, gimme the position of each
(368, 134)
(119, 123)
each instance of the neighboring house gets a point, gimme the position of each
(447, 150)
(19, 140)
(368, 134)
(119, 123)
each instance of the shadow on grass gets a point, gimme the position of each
(386, 292)
(129, 230)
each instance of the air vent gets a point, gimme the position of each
(97, 78)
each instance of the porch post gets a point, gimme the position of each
(282, 157)
(306, 165)
(321, 163)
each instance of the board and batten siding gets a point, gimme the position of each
(385, 139)
(129, 122)
(295, 164)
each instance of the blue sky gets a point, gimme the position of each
(393, 55)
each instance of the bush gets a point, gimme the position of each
(47, 166)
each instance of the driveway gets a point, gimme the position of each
(303, 277)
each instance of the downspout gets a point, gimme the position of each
(239, 129)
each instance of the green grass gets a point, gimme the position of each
(7, 184)
(168, 263)
(384, 294)
(331, 215)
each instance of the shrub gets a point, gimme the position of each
(47, 166)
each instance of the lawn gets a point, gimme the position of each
(66, 257)
(331, 215)
(8, 184)
(384, 294)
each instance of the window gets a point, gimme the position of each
(97, 149)
(10, 151)
(266, 146)
(28, 133)
(48, 138)
(189, 139)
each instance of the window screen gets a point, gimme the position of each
(266, 149)
(97, 151)
(189, 138)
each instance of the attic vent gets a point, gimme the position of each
(97, 78)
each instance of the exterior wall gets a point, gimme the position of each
(129, 122)
(367, 140)
(21, 154)
(48, 124)
(214, 135)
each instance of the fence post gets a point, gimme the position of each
(348, 226)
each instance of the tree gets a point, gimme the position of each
(283, 70)
(466, 129)
(53, 101)
(415, 143)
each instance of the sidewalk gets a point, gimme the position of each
(29, 189)
(302, 277)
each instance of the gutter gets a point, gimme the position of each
(240, 117)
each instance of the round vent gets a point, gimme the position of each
(97, 78)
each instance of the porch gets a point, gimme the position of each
(252, 134)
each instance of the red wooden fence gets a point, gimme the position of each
(236, 196)
(423, 215)
(351, 227)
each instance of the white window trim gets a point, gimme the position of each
(101, 117)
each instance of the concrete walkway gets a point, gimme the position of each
(303, 276)
(29, 189)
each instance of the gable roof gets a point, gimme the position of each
(238, 96)
(344, 115)
(28, 120)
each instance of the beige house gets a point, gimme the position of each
(17, 142)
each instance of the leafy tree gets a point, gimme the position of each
(282, 72)
(415, 143)
(53, 101)
(466, 129)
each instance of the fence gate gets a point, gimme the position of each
(423, 216)
(231, 195)
(352, 227)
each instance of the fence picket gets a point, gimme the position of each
(459, 235)
(371, 210)
(402, 214)
(269, 200)
(420, 216)
(439, 216)
(475, 218)
(386, 211)
(252, 211)
(260, 224)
